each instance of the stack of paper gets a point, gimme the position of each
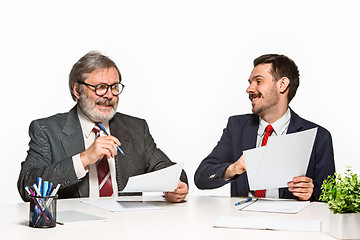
(163, 180)
(275, 206)
(121, 206)
(283, 158)
(268, 223)
(72, 217)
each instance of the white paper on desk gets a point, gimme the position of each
(163, 180)
(121, 206)
(283, 158)
(276, 206)
(268, 223)
(73, 216)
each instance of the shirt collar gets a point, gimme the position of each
(87, 125)
(280, 126)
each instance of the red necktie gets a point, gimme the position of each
(103, 170)
(268, 131)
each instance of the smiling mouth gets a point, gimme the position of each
(105, 104)
(254, 97)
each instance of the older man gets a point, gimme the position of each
(72, 148)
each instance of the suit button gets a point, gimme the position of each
(212, 176)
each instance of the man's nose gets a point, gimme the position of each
(251, 88)
(108, 93)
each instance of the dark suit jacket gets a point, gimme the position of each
(240, 134)
(56, 139)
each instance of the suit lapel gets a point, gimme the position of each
(73, 143)
(250, 133)
(295, 123)
(72, 133)
(122, 162)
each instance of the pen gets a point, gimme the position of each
(53, 193)
(39, 187)
(101, 126)
(49, 189)
(45, 188)
(244, 201)
(38, 204)
(48, 201)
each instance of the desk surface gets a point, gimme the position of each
(193, 219)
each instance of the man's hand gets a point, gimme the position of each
(102, 146)
(179, 194)
(237, 167)
(301, 187)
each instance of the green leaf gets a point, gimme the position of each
(342, 193)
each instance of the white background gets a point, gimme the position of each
(185, 65)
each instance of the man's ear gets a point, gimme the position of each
(284, 83)
(76, 90)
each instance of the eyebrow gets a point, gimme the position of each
(257, 76)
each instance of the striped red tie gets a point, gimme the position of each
(268, 131)
(103, 170)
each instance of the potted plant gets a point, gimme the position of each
(342, 194)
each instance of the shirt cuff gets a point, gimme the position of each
(78, 166)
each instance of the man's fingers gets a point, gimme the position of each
(179, 193)
(302, 196)
(174, 197)
(301, 187)
(300, 190)
(302, 179)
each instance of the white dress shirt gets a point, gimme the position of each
(89, 137)
(280, 128)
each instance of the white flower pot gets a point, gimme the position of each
(344, 225)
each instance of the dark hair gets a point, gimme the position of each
(91, 61)
(282, 66)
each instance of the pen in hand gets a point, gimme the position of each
(102, 128)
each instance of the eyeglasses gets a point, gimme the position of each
(102, 88)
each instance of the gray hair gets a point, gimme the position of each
(91, 61)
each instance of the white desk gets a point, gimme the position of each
(193, 219)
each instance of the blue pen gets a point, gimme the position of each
(244, 201)
(49, 189)
(101, 126)
(45, 188)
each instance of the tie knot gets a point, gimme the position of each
(269, 129)
(96, 130)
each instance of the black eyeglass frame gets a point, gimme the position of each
(107, 87)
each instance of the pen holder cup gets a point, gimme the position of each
(42, 212)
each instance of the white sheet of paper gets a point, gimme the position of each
(121, 206)
(275, 206)
(163, 180)
(74, 217)
(268, 223)
(283, 158)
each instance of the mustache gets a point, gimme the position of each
(254, 95)
(105, 102)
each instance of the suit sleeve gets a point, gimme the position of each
(40, 162)
(208, 175)
(155, 158)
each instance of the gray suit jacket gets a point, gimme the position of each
(56, 139)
